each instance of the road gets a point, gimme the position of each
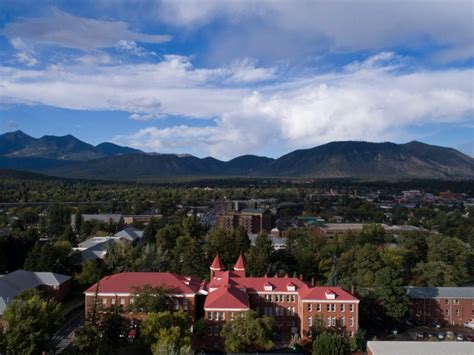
(63, 337)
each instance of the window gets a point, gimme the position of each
(343, 307)
(216, 330)
(132, 301)
(331, 307)
(122, 301)
(319, 307)
(292, 298)
(351, 322)
(232, 314)
(310, 321)
(288, 298)
(446, 301)
(342, 321)
(113, 301)
(455, 301)
(185, 304)
(457, 312)
(351, 307)
(446, 312)
(104, 301)
(176, 304)
(210, 316)
(209, 331)
(310, 307)
(329, 321)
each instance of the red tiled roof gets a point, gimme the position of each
(227, 297)
(217, 263)
(279, 284)
(319, 293)
(240, 264)
(127, 282)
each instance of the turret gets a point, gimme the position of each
(216, 265)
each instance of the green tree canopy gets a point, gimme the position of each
(329, 344)
(248, 333)
(31, 321)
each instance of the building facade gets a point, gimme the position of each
(444, 305)
(296, 306)
(253, 220)
(123, 289)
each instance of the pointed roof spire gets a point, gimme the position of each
(217, 264)
(240, 263)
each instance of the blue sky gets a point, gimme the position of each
(226, 78)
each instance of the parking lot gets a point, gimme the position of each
(425, 333)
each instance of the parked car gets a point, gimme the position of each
(441, 336)
(469, 325)
(469, 338)
(460, 337)
(132, 335)
(421, 335)
(435, 325)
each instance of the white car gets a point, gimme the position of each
(469, 325)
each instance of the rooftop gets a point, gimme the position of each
(440, 292)
(420, 348)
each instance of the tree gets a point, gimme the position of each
(389, 291)
(433, 274)
(166, 329)
(59, 217)
(91, 272)
(87, 340)
(248, 333)
(259, 257)
(55, 257)
(151, 299)
(329, 344)
(121, 256)
(31, 321)
(113, 328)
(188, 257)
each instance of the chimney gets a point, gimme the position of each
(352, 289)
(301, 277)
(312, 282)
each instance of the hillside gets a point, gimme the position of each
(69, 157)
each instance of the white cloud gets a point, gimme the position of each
(377, 99)
(69, 31)
(280, 28)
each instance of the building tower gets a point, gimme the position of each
(239, 267)
(216, 265)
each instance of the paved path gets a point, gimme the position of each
(63, 337)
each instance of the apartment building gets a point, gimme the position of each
(253, 220)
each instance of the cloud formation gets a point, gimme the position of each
(276, 27)
(69, 31)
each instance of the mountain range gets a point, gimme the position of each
(68, 156)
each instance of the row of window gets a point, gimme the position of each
(279, 298)
(178, 304)
(221, 315)
(332, 322)
(213, 330)
(276, 311)
(330, 307)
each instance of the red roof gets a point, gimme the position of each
(128, 282)
(217, 263)
(320, 292)
(227, 297)
(240, 264)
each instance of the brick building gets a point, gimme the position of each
(295, 305)
(253, 220)
(121, 290)
(445, 305)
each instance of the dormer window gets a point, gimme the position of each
(268, 287)
(330, 295)
(291, 287)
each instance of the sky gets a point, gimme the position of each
(226, 78)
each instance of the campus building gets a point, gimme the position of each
(295, 305)
(253, 220)
(444, 305)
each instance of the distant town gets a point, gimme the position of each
(236, 265)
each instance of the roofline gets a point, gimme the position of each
(226, 309)
(128, 294)
(329, 301)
